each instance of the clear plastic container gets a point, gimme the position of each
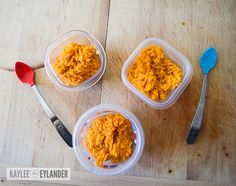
(175, 56)
(56, 47)
(86, 159)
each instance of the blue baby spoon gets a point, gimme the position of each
(207, 62)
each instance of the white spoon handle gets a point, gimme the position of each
(197, 120)
(45, 106)
(61, 129)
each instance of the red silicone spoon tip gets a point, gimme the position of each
(25, 73)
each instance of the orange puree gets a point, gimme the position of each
(110, 138)
(76, 63)
(154, 74)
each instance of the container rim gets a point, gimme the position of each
(174, 95)
(52, 74)
(130, 162)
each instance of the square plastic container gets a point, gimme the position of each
(176, 58)
(54, 49)
(87, 160)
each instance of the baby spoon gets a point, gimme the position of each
(207, 62)
(26, 75)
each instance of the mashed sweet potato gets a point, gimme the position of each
(154, 74)
(110, 138)
(76, 63)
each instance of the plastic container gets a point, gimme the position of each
(175, 56)
(80, 131)
(56, 47)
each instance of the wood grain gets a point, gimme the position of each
(190, 28)
(29, 26)
(27, 137)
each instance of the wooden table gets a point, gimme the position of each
(27, 138)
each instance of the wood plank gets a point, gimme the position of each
(85, 178)
(190, 27)
(212, 157)
(28, 27)
(27, 136)
(165, 150)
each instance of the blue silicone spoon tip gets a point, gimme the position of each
(208, 60)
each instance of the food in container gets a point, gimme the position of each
(76, 63)
(108, 166)
(176, 58)
(72, 80)
(110, 138)
(154, 74)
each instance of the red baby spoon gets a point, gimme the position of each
(26, 75)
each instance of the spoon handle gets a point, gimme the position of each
(197, 120)
(61, 129)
